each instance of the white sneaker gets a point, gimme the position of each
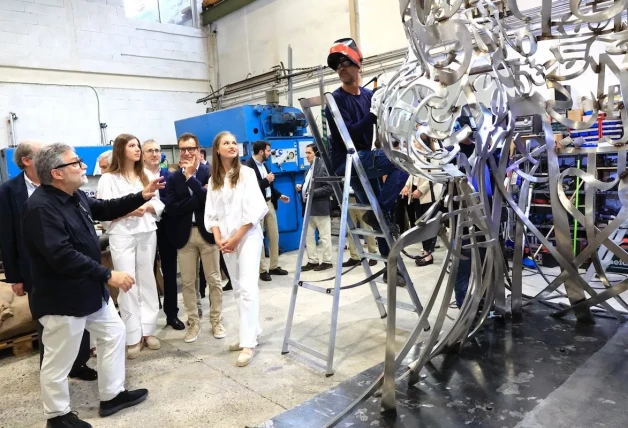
(133, 351)
(193, 331)
(235, 347)
(219, 330)
(245, 357)
(152, 343)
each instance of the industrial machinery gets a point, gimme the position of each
(284, 128)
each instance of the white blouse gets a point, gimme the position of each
(111, 186)
(231, 208)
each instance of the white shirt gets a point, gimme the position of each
(263, 173)
(30, 186)
(306, 183)
(111, 186)
(231, 208)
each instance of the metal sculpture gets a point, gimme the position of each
(459, 52)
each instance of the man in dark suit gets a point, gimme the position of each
(13, 196)
(319, 194)
(261, 153)
(185, 203)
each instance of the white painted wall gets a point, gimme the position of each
(146, 74)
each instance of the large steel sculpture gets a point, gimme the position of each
(459, 52)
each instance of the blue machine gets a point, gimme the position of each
(89, 154)
(284, 128)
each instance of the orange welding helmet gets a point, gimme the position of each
(347, 48)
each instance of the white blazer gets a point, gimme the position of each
(423, 186)
(231, 208)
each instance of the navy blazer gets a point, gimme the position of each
(264, 183)
(180, 205)
(13, 196)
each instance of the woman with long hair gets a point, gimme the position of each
(233, 211)
(133, 243)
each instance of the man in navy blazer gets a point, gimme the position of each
(185, 204)
(17, 268)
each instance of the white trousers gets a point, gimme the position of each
(139, 307)
(62, 338)
(243, 267)
(323, 224)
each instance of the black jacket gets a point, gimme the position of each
(180, 205)
(263, 182)
(13, 196)
(320, 192)
(58, 230)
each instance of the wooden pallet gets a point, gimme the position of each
(21, 346)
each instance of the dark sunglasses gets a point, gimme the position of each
(78, 162)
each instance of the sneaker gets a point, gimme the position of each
(152, 343)
(351, 263)
(234, 347)
(265, 276)
(309, 266)
(122, 401)
(69, 420)
(323, 266)
(278, 271)
(84, 373)
(245, 357)
(193, 331)
(133, 351)
(219, 330)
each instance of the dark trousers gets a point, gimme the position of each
(420, 209)
(84, 351)
(168, 257)
(201, 275)
(404, 208)
(461, 285)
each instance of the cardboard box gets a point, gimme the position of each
(575, 114)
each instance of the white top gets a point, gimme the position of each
(263, 172)
(423, 185)
(231, 208)
(111, 186)
(30, 186)
(306, 183)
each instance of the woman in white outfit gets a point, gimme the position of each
(133, 243)
(233, 211)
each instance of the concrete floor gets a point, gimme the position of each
(198, 384)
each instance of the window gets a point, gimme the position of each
(165, 11)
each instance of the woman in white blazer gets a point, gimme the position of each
(133, 244)
(233, 210)
(422, 199)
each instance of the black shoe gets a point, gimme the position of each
(309, 266)
(370, 219)
(84, 373)
(122, 401)
(278, 271)
(227, 287)
(323, 266)
(175, 323)
(265, 276)
(424, 262)
(351, 262)
(372, 262)
(400, 281)
(69, 420)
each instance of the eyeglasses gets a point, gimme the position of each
(189, 150)
(78, 162)
(344, 63)
(152, 151)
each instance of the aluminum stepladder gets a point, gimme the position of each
(342, 195)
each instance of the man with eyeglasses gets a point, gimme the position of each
(359, 115)
(69, 292)
(185, 203)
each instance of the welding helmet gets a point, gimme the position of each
(344, 48)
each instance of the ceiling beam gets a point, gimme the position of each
(223, 9)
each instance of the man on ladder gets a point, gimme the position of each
(355, 106)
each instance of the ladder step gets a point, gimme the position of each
(313, 287)
(373, 256)
(329, 179)
(401, 305)
(366, 232)
(307, 349)
(360, 207)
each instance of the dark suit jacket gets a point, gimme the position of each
(320, 192)
(59, 234)
(13, 196)
(263, 182)
(180, 205)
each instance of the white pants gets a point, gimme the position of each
(243, 267)
(62, 338)
(139, 307)
(323, 224)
